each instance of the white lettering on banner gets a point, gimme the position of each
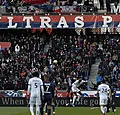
(79, 22)
(106, 20)
(45, 21)
(85, 102)
(93, 103)
(62, 22)
(10, 23)
(114, 8)
(28, 21)
(12, 101)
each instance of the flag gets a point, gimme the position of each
(4, 45)
(35, 1)
(33, 30)
(49, 30)
(57, 9)
(41, 29)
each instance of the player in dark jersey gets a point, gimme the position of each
(113, 92)
(48, 94)
(111, 103)
(54, 95)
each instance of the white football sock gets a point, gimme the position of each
(105, 110)
(32, 109)
(74, 98)
(102, 109)
(78, 97)
(37, 110)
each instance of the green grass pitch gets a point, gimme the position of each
(59, 111)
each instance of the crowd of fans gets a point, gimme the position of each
(22, 6)
(68, 55)
(15, 63)
(109, 67)
(59, 55)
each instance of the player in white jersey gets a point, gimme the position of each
(36, 92)
(75, 89)
(104, 93)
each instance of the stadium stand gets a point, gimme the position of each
(67, 54)
(109, 68)
(36, 6)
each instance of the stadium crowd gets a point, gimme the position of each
(38, 6)
(109, 67)
(16, 62)
(68, 55)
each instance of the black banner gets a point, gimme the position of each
(60, 102)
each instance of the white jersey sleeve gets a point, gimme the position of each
(83, 81)
(29, 86)
(76, 83)
(42, 88)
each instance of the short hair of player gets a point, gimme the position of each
(35, 74)
(103, 81)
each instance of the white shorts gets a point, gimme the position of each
(35, 100)
(75, 89)
(103, 101)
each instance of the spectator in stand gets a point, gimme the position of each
(99, 78)
(17, 49)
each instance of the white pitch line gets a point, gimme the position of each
(93, 108)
